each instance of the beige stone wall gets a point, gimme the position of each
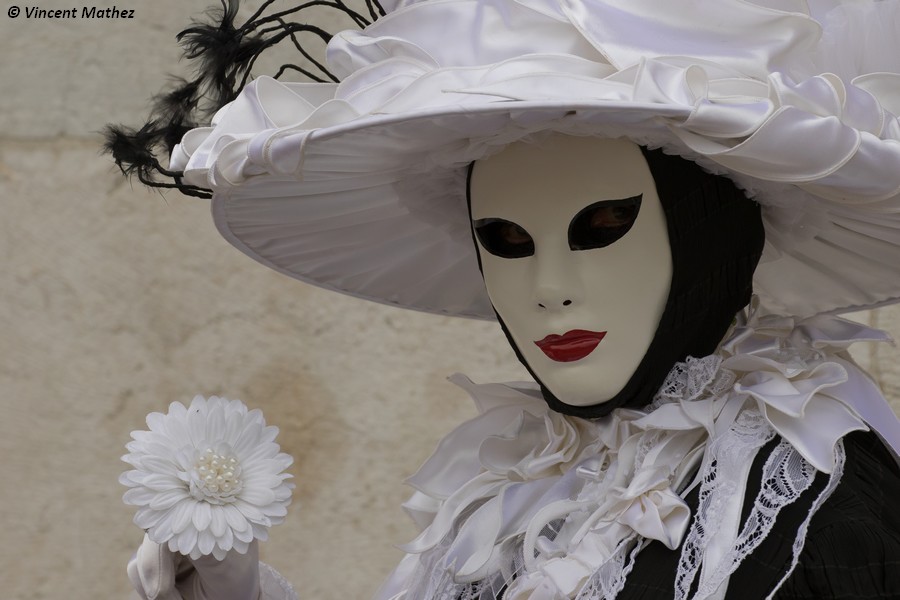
(114, 301)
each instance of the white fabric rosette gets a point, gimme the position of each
(799, 375)
(804, 382)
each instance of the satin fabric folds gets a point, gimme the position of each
(359, 186)
(548, 504)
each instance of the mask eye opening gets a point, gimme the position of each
(503, 238)
(603, 223)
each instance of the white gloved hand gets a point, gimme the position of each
(157, 573)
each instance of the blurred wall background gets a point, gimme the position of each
(115, 301)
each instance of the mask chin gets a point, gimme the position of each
(586, 412)
(716, 236)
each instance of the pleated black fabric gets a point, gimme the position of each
(852, 549)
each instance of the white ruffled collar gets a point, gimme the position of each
(489, 492)
(798, 374)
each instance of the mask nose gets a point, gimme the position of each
(557, 284)
(565, 302)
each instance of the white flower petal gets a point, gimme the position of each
(274, 510)
(215, 423)
(247, 440)
(163, 530)
(250, 511)
(260, 532)
(181, 515)
(256, 416)
(156, 422)
(178, 433)
(236, 520)
(130, 478)
(206, 542)
(199, 404)
(177, 411)
(158, 465)
(245, 537)
(167, 499)
(259, 455)
(196, 426)
(184, 458)
(186, 540)
(146, 518)
(284, 461)
(226, 540)
(202, 517)
(232, 430)
(261, 482)
(138, 496)
(269, 434)
(283, 494)
(161, 448)
(140, 436)
(218, 525)
(162, 483)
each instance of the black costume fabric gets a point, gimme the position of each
(852, 548)
(716, 236)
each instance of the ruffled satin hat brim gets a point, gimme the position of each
(357, 221)
(359, 187)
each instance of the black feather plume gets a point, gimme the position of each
(224, 55)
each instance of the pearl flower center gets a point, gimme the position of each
(217, 476)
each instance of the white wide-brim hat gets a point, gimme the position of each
(359, 186)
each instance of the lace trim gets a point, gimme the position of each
(786, 475)
(833, 481)
(693, 379)
(433, 580)
(609, 579)
(726, 455)
(272, 586)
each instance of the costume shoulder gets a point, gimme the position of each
(853, 546)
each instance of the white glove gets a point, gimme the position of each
(157, 573)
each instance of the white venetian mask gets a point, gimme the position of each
(576, 259)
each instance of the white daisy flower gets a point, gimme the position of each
(208, 478)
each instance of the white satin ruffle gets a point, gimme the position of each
(799, 375)
(299, 169)
(498, 480)
(497, 484)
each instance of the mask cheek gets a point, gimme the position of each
(508, 286)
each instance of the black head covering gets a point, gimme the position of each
(716, 236)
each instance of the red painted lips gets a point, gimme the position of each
(571, 346)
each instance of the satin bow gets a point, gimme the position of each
(805, 383)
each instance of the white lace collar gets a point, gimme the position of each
(565, 503)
